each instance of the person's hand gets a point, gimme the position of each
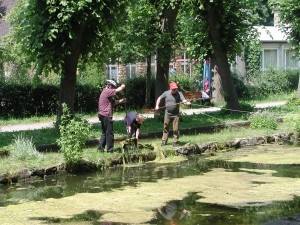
(122, 86)
(188, 103)
(124, 100)
(157, 107)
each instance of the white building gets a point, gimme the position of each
(275, 50)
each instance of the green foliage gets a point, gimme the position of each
(48, 31)
(91, 74)
(86, 98)
(293, 102)
(289, 13)
(240, 87)
(294, 122)
(135, 93)
(24, 149)
(140, 33)
(252, 57)
(263, 119)
(185, 83)
(246, 107)
(272, 81)
(233, 19)
(74, 131)
(22, 100)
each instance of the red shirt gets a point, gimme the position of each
(206, 85)
(106, 102)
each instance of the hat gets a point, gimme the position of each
(111, 82)
(173, 85)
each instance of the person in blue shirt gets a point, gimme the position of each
(133, 122)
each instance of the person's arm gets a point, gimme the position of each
(122, 100)
(137, 133)
(121, 88)
(186, 102)
(183, 100)
(128, 131)
(157, 103)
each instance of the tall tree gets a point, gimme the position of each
(140, 38)
(217, 30)
(168, 11)
(56, 34)
(150, 30)
(289, 14)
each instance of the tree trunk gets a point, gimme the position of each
(2, 72)
(164, 53)
(148, 84)
(221, 59)
(68, 79)
(217, 91)
(298, 90)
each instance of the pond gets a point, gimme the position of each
(253, 185)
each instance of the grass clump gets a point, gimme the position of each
(294, 123)
(263, 119)
(24, 149)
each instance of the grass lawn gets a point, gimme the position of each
(49, 135)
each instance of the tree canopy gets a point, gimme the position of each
(49, 29)
(56, 34)
(289, 13)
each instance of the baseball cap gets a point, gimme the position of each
(173, 85)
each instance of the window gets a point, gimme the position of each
(112, 71)
(131, 70)
(269, 58)
(153, 64)
(289, 62)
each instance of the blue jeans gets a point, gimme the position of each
(132, 132)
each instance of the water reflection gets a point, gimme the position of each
(186, 211)
(173, 213)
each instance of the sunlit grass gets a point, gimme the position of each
(50, 135)
(13, 165)
(33, 119)
(91, 153)
(270, 98)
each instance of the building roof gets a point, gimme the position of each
(271, 34)
(5, 7)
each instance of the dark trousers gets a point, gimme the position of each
(107, 136)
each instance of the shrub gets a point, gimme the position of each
(263, 119)
(74, 131)
(293, 102)
(24, 149)
(272, 81)
(294, 122)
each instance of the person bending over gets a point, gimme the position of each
(133, 122)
